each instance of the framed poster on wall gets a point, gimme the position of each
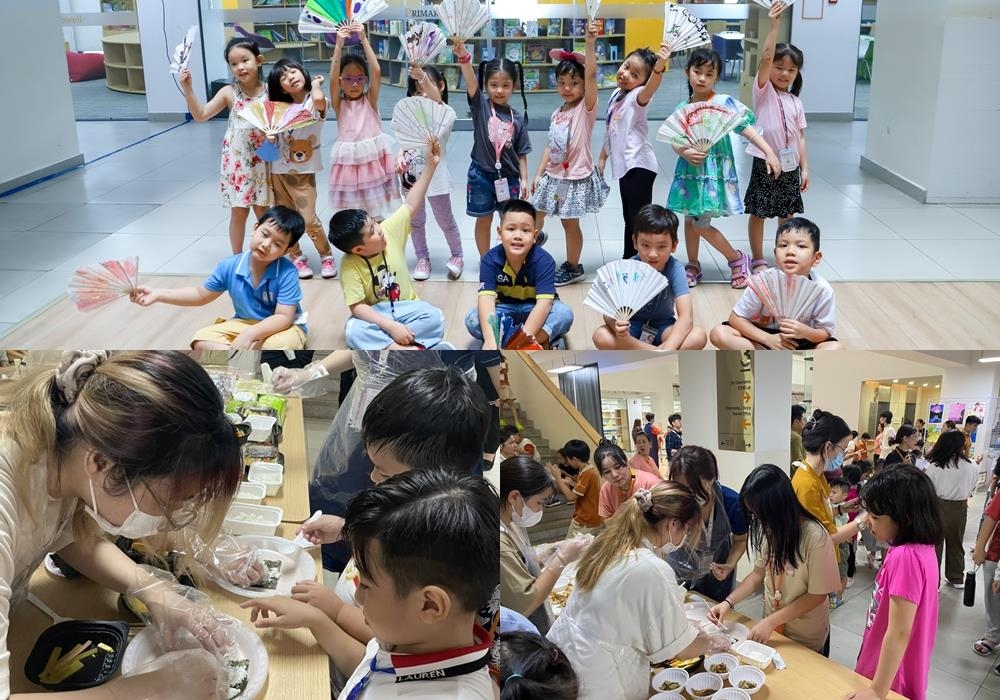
(812, 9)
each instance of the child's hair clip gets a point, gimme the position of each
(558, 55)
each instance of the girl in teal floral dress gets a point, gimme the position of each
(705, 184)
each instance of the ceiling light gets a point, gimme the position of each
(911, 383)
(925, 383)
(937, 386)
(895, 381)
(564, 369)
(992, 358)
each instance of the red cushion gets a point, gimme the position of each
(84, 66)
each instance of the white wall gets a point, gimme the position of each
(772, 382)
(43, 140)
(163, 98)
(830, 46)
(82, 38)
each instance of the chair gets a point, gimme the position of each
(729, 45)
(866, 51)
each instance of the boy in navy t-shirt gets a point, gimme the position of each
(518, 279)
(657, 324)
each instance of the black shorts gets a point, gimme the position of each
(802, 343)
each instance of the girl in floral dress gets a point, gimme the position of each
(244, 181)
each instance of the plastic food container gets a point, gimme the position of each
(731, 694)
(754, 654)
(731, 663)
(703, 685)
(246, 519)
(670, 675)
(748, 674)
(260, 427)
(270, 475)
(100, 659)
(251, 492)
(667, 696)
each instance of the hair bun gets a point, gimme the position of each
(75, 368)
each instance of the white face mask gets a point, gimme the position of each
(527, 518)
(667, 548)
(136, 526)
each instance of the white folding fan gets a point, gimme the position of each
(592, 7)
(770, 3)
(699, 125)
(422, 42)
(783, 295)
(416, 121)
(682, 30)
(182, 53)
(463, 18)
(623, 287)
(94, 286)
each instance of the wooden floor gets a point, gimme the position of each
(872, 315)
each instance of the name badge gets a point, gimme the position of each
(562, 190)
(502, 189)
(789, 158)
(647, 334)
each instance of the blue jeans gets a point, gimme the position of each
(556, 324)
(425, 321)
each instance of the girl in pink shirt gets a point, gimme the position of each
(567, 185)
(781, 120)
(620, 482)
(903, 615)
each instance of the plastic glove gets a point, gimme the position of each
(569, 550)
(173, 609)
(284, 380)
(188, 674)
(227, 559)
(323, 530)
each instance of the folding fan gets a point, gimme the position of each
(422, 42)
(699, 125)
(416, 121)
(463, 18)
(623, 287)
(94, 286)
(682, 30)
(592, 7)
(510, 336)
(274, 118)
(322, 16)
(519, 340)
(770, 3)
(182, 54)
(783, 295)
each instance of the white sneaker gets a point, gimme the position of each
(455, 265)
(423, 269)
(302, 266)
(850, 582)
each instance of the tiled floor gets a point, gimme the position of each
(159, 199)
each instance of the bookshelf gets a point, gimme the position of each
(285, 36)
(123, 62)
(526, 41)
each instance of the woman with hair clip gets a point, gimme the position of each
(954, 478)
(527, 577)
(627, 610)
(903, 444)
(620, 480)
(795, 566)
(708, 563)
(133, 445)
(533, 667)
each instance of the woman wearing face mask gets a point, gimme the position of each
(526, 579)
(133, 445)
(627, 610)
(825, 439)
(708, 563)
(795, 566)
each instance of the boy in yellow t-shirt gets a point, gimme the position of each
(385, 310)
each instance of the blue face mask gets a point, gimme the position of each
(835, 463)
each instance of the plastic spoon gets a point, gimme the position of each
(56, 619)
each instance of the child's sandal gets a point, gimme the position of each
(741, 271)
(983, 647)
(757, 265)
(693, 272)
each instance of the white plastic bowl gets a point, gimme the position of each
(260, 427)
(671, 675)
(702, 682)
(247, 519)
(731, 662)
(754, 654)
(731, 694)
(667, 696)
(251, 492)
(747, 673)
(270, 475)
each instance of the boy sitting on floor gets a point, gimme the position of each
(656, 323)
(264, 287)
(386, 312)
(796, 252)
(426, 548)
(518, 278)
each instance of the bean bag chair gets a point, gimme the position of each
(84, 66)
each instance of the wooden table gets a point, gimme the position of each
(293, 498)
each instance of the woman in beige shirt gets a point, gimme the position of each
(795, 566)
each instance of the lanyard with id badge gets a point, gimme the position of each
(501, 133)
(788, 156)
(559, 135)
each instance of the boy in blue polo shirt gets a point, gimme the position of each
(518, 278)
(666, 322)
(264, 287)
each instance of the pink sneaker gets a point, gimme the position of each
(423, 269)
(302, 266)
(328, 268)
(455, 266)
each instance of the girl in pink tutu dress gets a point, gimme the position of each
(363, 168)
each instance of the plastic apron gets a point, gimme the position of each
(540, 616)
(706, 545)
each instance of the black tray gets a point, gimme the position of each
(97, 669)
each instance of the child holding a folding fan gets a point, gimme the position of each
(782, 121)
(362, 164)
(293, 174)
(244, 182)
(789, 307)
(567, 185)
(498, 172)
(665, 322)
(705, 184)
